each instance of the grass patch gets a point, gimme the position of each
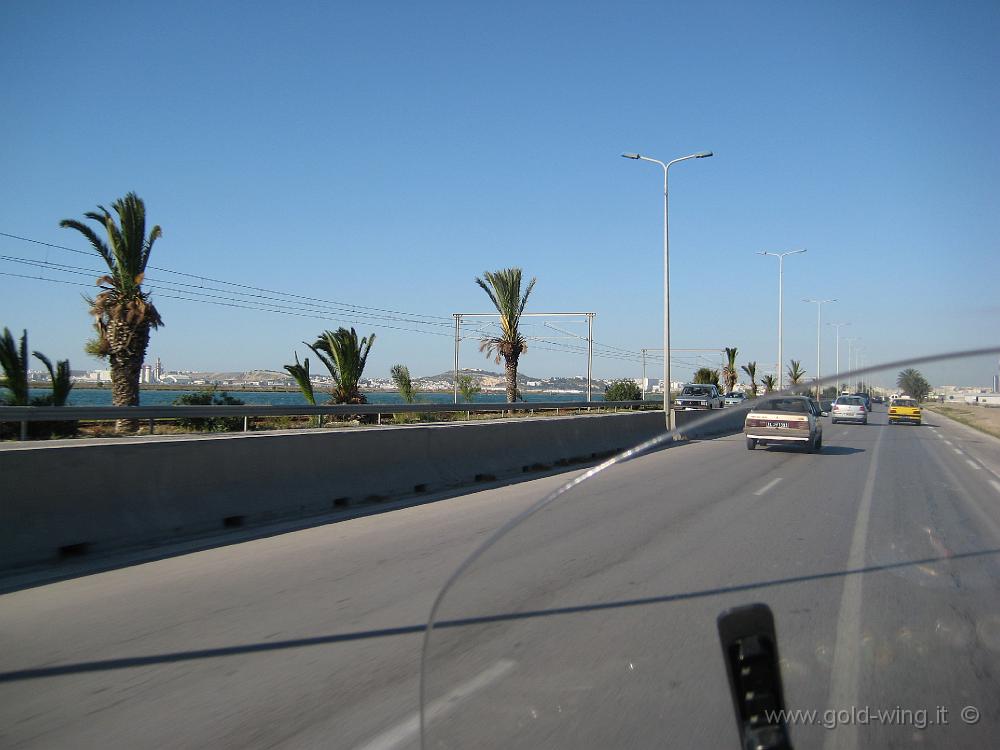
(978, 418)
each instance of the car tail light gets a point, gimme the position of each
(800, 425)
(892, 410)
(755, 422)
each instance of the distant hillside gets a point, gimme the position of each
(479, 375)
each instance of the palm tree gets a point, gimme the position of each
(301, 374)
(14, 362)
(400, 375)
(122, 311)
(504, 290)
(706, 375)
(795, 372)
(913, 383)
(750, 368)
(60, 376)
(769, 382)
(344, 356)
(729, 373)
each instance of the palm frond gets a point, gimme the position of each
(91, 235)
(300, 372)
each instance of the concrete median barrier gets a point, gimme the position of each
(99, 496)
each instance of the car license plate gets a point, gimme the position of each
(776, 424)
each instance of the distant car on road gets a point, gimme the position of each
(784, 420)
(849, 409)
(866, 398)
(734, 399)
(699, 396)
(878, 399)
(905, 410)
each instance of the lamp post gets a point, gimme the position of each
(666, 275)
(819, 307)
(850, 356)
(838, 326)
(781, 281)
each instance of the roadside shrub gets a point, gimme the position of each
(623, 390)
(210, 424)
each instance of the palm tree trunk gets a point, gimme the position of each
(511, 363)
(127, 351)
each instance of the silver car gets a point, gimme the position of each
(699, 396)
(849, 409)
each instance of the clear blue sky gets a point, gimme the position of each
(384, 154)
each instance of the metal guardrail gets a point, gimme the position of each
(25, 414)
(98, 413)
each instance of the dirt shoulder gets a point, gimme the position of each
(978, 417)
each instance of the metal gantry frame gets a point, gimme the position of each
(590, 339)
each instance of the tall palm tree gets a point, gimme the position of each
(123, 313)
(729, 373)
(750, 368)
(769, 382)
(795, 372)
(504, 290)
(344, 356)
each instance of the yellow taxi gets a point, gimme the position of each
(904, 410)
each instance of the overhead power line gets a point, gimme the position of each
(222, 292)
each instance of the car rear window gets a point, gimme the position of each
(695, 392)
(904, 402)
(850, 401)
(786, 404)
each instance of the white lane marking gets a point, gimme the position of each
(768, 486)
(409, 728)
(947, 442)
(847, 650)
(843, 434)
(995, 484)
(972, 463)
(958, 451)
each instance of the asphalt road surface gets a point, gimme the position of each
(592, 625)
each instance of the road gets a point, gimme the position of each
(879, 558)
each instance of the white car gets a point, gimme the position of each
(784, 420)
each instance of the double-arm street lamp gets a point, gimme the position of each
(666, 276)
(781, 281)
(819, 307)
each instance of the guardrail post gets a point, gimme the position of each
(152, 425)
(378, 418)
(246, 423)
(24, 431)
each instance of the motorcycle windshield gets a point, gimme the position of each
(590, 621)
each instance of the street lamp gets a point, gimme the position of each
(838, 326)
(666, 276)
(851, 340)
(781, 278)
(819, 306)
